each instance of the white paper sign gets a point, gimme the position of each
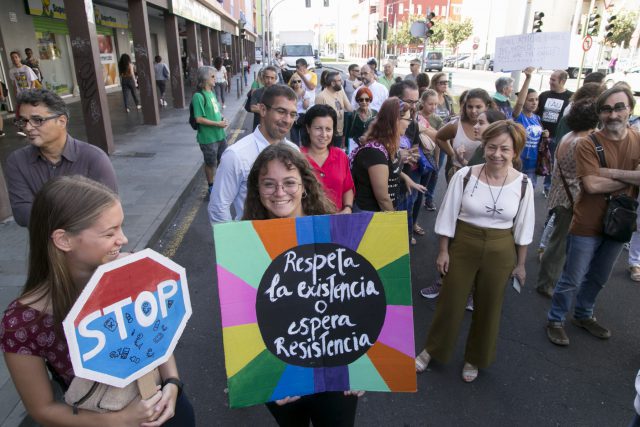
(549, 51)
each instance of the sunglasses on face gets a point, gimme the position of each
(296, 81)
(443, 82)
(363, 99)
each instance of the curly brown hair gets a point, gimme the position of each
(384, 128)
(314, 199)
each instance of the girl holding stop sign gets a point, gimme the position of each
(75, 226)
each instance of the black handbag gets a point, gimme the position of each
(621, 215)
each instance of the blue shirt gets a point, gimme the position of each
(529, 154)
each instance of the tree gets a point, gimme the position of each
(457, 32)
(624, 26)
(403, 37)
(329, 39)
(438, 33)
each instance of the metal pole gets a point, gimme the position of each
(238, 87)
(584, 33)
(515, 75)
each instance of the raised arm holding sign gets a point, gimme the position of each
(114, 319)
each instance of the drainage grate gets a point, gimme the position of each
(136, 154)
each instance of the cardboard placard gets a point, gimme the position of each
(315, 304)
(548, 51)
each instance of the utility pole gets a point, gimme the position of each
(515, 75)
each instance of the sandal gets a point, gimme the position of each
(418, 230)
(469, 372)
(422, 361)
(414, 241)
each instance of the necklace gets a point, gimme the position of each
(492, 210)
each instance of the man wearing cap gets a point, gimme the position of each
(374, 67)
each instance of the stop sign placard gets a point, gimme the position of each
(128, 318)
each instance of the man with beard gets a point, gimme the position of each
(277, 111)
(269, 78)
(334, 97)
(590, 254)
(380, 93)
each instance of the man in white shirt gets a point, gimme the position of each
(277, 115)
(353, 80)
(380, 93)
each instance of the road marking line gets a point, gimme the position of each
(172, 246)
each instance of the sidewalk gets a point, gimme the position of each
(156, 166)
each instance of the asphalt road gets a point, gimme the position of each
(532, 382)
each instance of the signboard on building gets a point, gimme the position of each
(314, 304)
(196, 12)
(102, 15)
(225, 38)
(549, 51)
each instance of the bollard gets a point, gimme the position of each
(254, 76)
(238, 86)
(450, 79)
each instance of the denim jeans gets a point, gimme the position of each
(552, 149)
(586, 270)
(634, 244)
(433, 181)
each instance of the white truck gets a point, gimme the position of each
(295, 45)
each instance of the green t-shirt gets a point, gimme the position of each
(256, 85)
(209, 110)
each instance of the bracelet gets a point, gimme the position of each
(176, 382)
(348, 206)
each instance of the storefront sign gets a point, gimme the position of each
(196, 12)
(315, 304)
(226, 39)
(102, 15)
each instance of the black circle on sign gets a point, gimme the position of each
(345, 327)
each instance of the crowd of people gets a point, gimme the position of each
(373, 142)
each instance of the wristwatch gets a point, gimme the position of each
(175, 381)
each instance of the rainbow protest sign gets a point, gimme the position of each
(315, 304)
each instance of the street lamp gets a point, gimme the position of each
(270, 33)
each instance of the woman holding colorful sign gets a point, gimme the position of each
(485, 224)
(282, 184)
(330, 163)
(76, 225)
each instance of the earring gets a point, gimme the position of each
(304, 194)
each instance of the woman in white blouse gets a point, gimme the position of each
(485, 224)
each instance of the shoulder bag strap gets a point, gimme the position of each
(599, 150)
(564, 184)
(465, 180)
(523, 192)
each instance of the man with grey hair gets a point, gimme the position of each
(504, 89)
(334, 97)
(379, 92)
(51, 152)
(269, 78)
(206, 110)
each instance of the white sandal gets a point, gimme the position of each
(422, 361)
(469, 373)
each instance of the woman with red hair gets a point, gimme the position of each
(375, 164)
(357, 123)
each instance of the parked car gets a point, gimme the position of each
(480, 63)
(450, 60)
(463, 61)
(340, 55)
(392, 58)
(433, 61)
(631, 76)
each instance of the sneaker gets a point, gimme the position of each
(626, 246)
(432, 291)
(469, 306)
(20, 133)
(127, 110)
(593, 327)
(1, 134)
(429, 205)
(556, 334)
(139, 107)
(634, 273)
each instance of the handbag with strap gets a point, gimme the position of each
(621, 215)
(99, 397)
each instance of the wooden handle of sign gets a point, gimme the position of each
(147, 384)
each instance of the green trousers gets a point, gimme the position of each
(482, 259)
(554, 254)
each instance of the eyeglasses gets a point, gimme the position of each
(363, 99)
(36, 121)
(411, 65)
(443, 82)
(618, 108)
(410, 102)
(406, 119)
(268, 188)
(282, 112)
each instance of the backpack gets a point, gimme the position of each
(165, 71)
(192, 117)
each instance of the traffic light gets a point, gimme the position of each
(594, 24)
(379, 31)
(537, 22)
(326, 3)
(307, 3)
(611, 25)
(429, 24)
(385, 30)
